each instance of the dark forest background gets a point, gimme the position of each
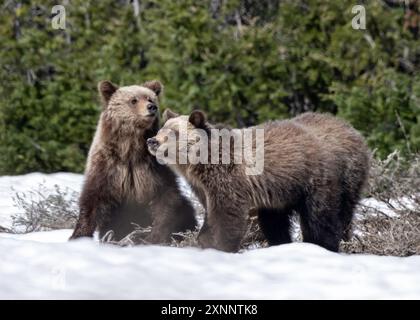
(241, 61)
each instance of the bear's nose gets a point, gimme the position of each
(152, 107)
(152, 142)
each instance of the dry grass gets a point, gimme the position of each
(393, 228)
(386, 236)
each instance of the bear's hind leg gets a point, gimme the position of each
(347, 210)
(275, 225)
(321, 225)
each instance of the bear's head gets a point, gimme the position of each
(136, 105)
(181, 133)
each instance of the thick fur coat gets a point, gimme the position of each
(124, 185)
(314, 164)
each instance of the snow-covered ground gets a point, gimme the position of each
(45, 265)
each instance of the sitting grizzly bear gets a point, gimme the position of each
(124, 184)
(315, 165)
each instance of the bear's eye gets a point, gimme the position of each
(133, 101)
(150, 100)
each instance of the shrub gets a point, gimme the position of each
(44, 210)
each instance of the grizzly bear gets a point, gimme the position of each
(315, 165)
(124, 185)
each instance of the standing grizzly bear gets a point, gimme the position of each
(315, 165)
(124, 184)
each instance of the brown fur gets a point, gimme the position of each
(124, 184)
(314, 164)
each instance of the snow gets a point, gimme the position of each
(378, 205)
(404, 202)
(44, 265)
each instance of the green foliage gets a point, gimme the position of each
(242, 61)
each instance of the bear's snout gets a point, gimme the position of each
(152, 108)
(152, 143)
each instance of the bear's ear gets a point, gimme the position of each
(198, 119)
(106, 90)
(154, 85)
(168, 114)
